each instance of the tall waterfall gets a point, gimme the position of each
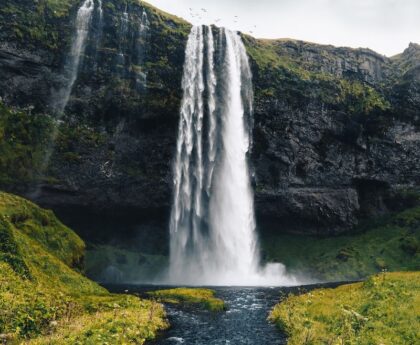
(212, 227)
(83, 18)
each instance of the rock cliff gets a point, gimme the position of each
(335, 136)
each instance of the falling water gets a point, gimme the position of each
(100, 26)
(123, 36)
(84, 15)
(101, 12)
(142, 37)
(213, 237)
(61, 97)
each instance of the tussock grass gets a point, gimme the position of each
(392, 243)
(44, 300)
(202, 297)
(384, 309)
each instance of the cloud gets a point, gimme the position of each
(386, 26)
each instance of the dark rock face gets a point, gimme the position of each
(336, 130)
(126, 95)
(322, 164)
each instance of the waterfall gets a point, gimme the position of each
(121, 45)
(60, 98)
(100, 26)
(142, 38)
(83, 18)
(101, 13)
(212, 226)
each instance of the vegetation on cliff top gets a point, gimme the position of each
(35, 24)
(383, 310)
(391, 243)
(44, 300)
(204, 298)
(279, 74)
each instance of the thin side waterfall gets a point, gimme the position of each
(101, 13)
(141, 44)
(123, 36)
(60, 99)
(100, 26)
(212, 228)
(84, 15)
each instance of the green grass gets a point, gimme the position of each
(266, 55)
(383, 310)
(202, 297)
(278, 74)
(44, 300)
(43, 227)
(392, 243)
(24, 138)
(34, 23)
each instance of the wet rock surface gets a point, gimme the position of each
(335, 133)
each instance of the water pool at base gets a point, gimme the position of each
(243, 323)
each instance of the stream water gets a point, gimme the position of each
(244, 322)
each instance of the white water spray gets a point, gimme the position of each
(101, 12)
(212, 229)
(142, 40)
(100, 24)
(123, 36)
(60, 98)
(83, 18)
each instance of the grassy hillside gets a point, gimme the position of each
(383, 310)
(279, 74)
(391, 243)
(204, 298)
(45, 300)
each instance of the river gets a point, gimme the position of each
(243, 323)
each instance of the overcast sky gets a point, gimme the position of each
(386, 26)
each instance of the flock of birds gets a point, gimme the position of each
(202, 15)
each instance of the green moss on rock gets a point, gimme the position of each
(44, 301)
(34, 23)
(42, 226)
(24, 138)
(391, 243)
(204, 298)
(382, 310)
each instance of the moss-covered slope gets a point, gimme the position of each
(334, 129)
(391, 242)
(383, 310)
(42, 296)
(299, 72)
(204, 298)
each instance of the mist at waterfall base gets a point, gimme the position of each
(212, 229)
